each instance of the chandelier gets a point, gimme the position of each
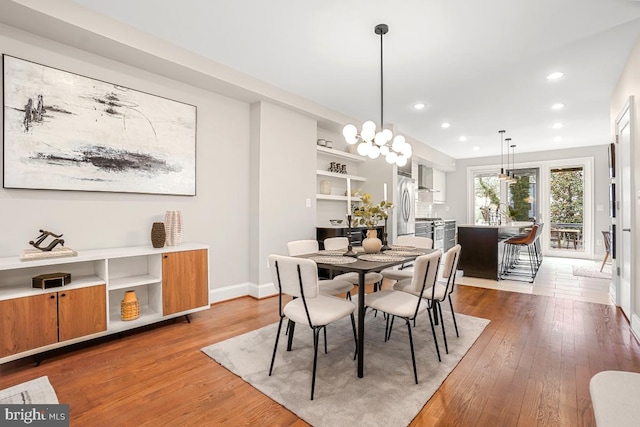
(373, 141)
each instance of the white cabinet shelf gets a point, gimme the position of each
(341, 175)
(340, 154)
(336, 198)
(133, 281)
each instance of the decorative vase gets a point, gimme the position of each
(129, 306)
(372, 244)
(173, 227)
(325, 187)
(158, 235)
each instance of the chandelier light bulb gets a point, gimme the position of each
(384, 150)
(363, 148)
(391, 157)
(351, 139)
(401, 161)
(398, 143)
(406, 150)
(374, 152)
(387, 134)
(368, 134)
(369, 126)
(349, 131)
(380, 139)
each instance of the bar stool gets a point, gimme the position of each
(511, 255)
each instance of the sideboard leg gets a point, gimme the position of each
(186, 316)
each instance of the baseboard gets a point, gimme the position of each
(241, 290)
(262, 291)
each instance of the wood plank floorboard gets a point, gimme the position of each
(530, 367)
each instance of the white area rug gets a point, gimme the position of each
(386, 396)
(592, 272)
(38, 391)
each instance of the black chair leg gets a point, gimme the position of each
(316, 338)
(388, 336)
(275, 347)
(292, 329)
(325, 339)
(433, 331)
(413, 356)
(453, 315)
(355, 335)
(444, 334)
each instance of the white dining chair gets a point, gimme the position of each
(409, 305)
(441, 290)
(327, 287)
(338, 243)
(406, 271)
(298, 278)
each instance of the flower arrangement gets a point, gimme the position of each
(368, 214)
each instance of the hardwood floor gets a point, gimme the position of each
(531, 366)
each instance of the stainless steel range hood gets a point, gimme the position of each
(425, 179)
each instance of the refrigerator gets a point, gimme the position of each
(406, 206)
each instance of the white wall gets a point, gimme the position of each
(283, 146)
(629, 85)
(457, 183)
(218, 215)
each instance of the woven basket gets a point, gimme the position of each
(130, 306)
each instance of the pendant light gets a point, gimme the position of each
(502, 174)
(513, 178)
(373, 141)
(508, 174)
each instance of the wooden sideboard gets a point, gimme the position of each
(169, 282)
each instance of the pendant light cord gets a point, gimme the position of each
(381, 83)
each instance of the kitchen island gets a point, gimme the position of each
(482, 247)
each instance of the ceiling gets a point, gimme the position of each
(479, 65)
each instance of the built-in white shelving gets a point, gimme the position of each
(341, 175)
(340, 154)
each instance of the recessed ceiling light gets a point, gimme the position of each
(557, 125)
(463, 138)
(445, 125)
(557, 139)
(476, 148)
(555, 76)
(419, 106)
(557, 106)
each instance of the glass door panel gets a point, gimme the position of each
(566, 210)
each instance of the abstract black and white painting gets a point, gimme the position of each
(64, 131)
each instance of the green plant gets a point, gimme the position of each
(368, 214)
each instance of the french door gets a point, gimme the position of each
(567, 188)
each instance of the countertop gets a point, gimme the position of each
(515, 224)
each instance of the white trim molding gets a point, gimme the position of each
(240, 290)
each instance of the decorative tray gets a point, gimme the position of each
(332, 252)
(380, 258)
(402, 248)
(403, 253)
(333, 259)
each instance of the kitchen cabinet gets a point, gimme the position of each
(169, 282)
(449, 234)
(439, 186)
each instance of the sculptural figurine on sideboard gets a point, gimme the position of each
(44, 234)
